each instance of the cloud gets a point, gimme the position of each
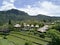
(45, 7)
(6, 5)
(33, 10)
(12, 1)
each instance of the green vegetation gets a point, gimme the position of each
(16, 15)
(55, 36)
(10, 34)
(30, 37)
(56, 26)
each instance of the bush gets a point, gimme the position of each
(56, 26)
(42, 35)
(28, 43)
(4, 37)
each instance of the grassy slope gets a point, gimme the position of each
(17, 38)
(30, 39)
(5, 41)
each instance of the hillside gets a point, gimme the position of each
(17, 15)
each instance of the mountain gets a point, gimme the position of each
(17, 15)
(12, 14)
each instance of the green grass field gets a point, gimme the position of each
(18, 38)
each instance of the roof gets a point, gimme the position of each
(36, 25)
(32, 25)
(25, 25)
(28, 25)
(17, 25)
(43, 29)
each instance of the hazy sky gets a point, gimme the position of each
(33, 7)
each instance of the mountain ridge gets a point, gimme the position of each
(17, 15)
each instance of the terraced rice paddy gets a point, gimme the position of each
(17, 38)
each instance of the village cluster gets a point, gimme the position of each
(31, 27)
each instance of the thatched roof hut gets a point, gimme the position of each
(17, 25)
(43, 29)
(28, 25)
(32, 25)
(37, 26)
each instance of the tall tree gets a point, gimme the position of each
(55, 36)
(9, 21)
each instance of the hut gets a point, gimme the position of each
(43, 29)
(37, 26)
(28, 26)
(32, 26)
(17, 25)
(24, 24)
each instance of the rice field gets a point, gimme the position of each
(17, 38)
